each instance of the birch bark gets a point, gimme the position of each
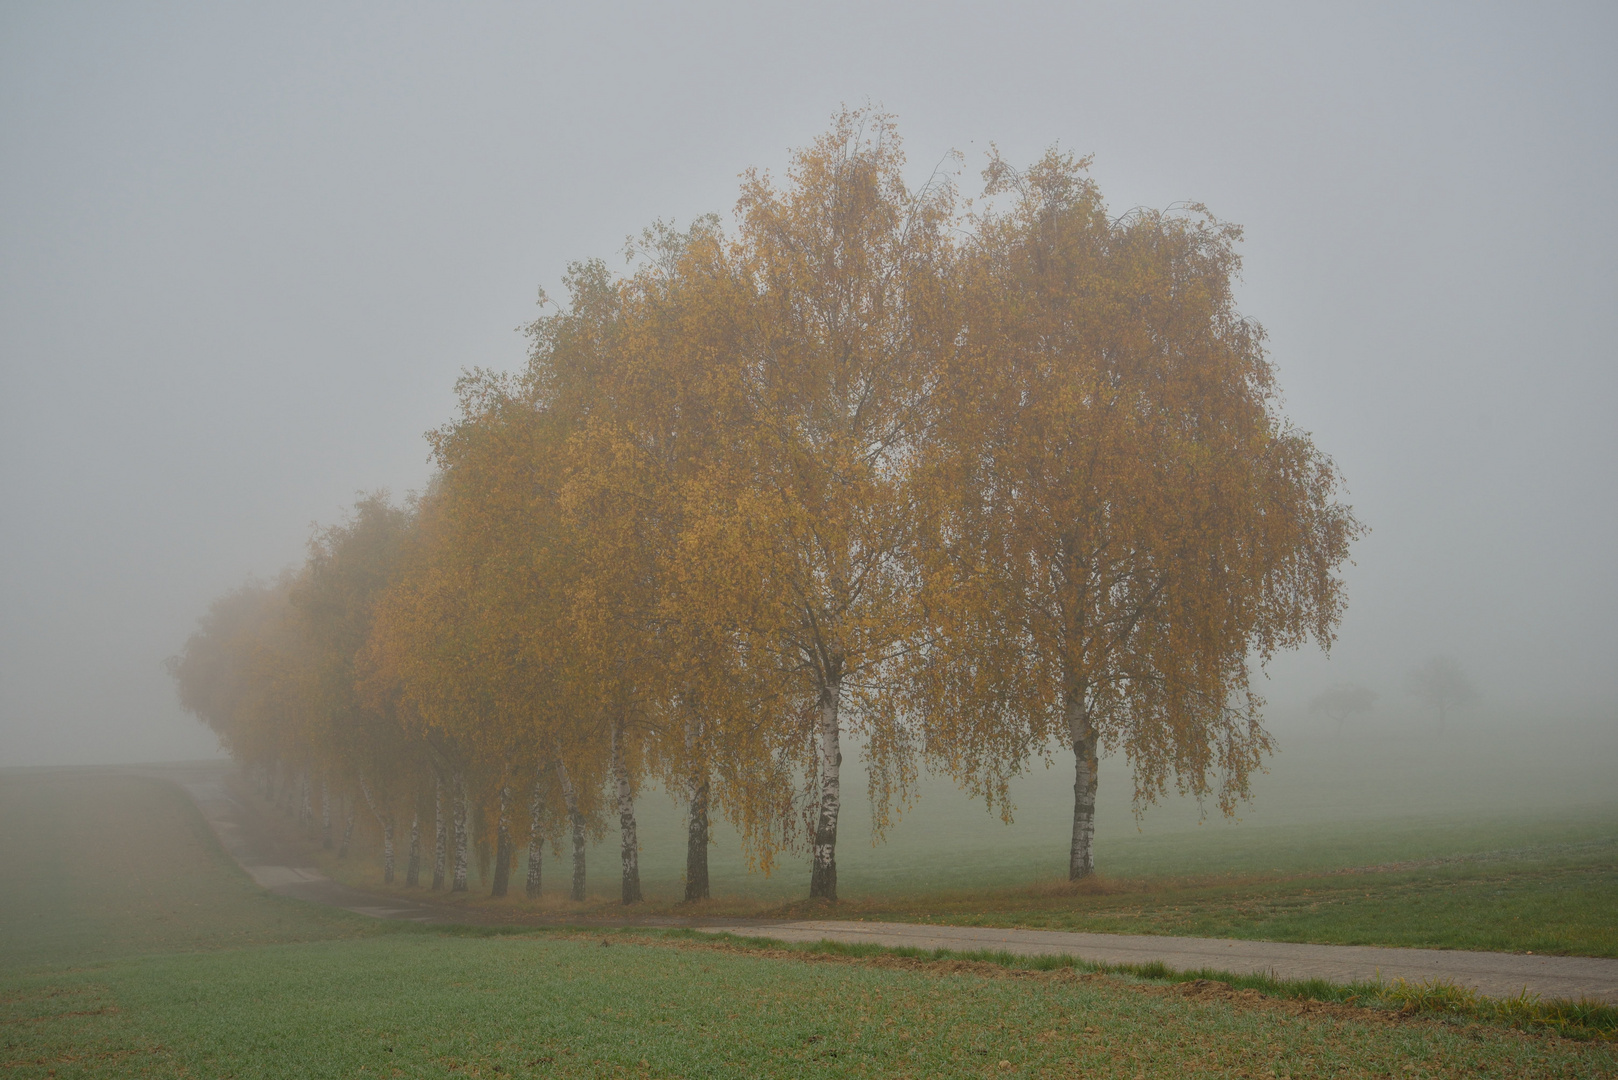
(823, 877)
(629, 846)
(440, 834)
(1081, 855)
(696, 841)
(386, 821)
(536, 841)
(576, 823)
(462, 806)
(502, 845)
(348, 829)
(413, 868)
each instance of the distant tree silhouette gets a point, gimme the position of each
(1342, 701)
(1442, 684)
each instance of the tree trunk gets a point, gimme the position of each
(386, 821)
(325, 812)
(463, 807)
(536, 842)
(1081, 860)
(440, 830)
(575, 822)
(696, 841)
(348, 829)
(502, 846)
(413, 868)
(306, 812)
(629, 846)
(823, 878)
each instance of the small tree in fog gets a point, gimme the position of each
(1342, 701)
(1442, 684)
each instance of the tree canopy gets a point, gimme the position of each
(959, 485)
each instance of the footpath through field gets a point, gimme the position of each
(1493, 974)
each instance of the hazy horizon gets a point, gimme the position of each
(245, 255)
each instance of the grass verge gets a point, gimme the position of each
(1440, 998)
(423, 1003)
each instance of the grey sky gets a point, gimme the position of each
(245, 252)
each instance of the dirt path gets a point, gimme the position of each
(1495, 974)
(243, 834)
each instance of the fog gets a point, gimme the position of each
(244, 254)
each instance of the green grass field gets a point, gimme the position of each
(129, 946)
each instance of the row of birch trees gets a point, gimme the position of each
(962, 486)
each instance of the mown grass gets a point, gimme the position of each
(134, 982)
(1556, 899)
(419, 1004)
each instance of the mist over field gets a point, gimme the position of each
(245, 255)
(1374, 798)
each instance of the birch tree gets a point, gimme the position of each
(1117, 515)
(847, 266)
(659, 470)
(1442, 684)
(237, 673)
(349, 568)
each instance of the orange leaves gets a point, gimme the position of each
(963, 485)
(1117, 514)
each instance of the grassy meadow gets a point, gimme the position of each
(130, 946)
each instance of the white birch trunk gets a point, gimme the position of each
(823, 878)
(462, 829)
(536, 841)
(696, 840)
(348, 829)
(386, 821)
(1081, 855)
(440, 834)
(575, 822)
(413, 868)
(696, 825)
(502, 845)
(325, 812)
(629, 846)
